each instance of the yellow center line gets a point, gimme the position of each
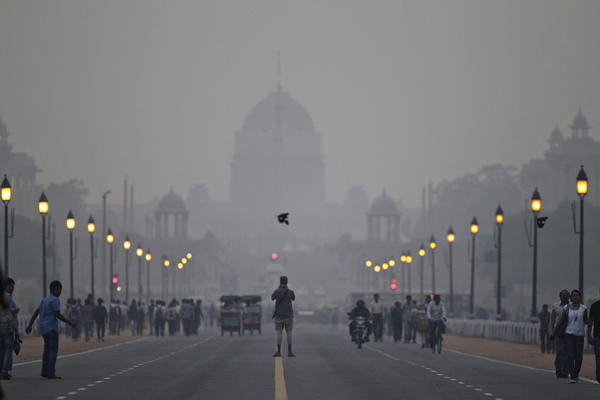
(280, 390)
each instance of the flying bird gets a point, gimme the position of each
(283, 218)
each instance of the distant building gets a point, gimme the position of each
(555, 174)
(21, 171)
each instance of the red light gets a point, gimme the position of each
(394, 280)
(274, 256)
(115, 280)
(393, 286)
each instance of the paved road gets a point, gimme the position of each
(209, 366)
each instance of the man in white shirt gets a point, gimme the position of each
(377, 311)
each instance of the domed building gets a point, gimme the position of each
(383, 220)
(277, 162)
(555, 174)
(171, 205)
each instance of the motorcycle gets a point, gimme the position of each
(360, 331)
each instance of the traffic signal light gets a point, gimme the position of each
(274, 256)
(115, 279)
(393, 285)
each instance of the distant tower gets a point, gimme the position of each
(580, 126)
(171, 205)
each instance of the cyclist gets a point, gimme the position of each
(436, 314)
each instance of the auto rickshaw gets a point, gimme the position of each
(252, 316)
(231, 314)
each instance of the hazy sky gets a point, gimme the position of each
(403, 92)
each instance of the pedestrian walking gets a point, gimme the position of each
(377, 311)
(100, 317)
(407, 320)
(198, 316)
(141, 316)
(396, 318)
(187, 316)
(132, 317)
(159, 318)
(544, 318)
(87, 316)
(151, 317)
(560, 360)
(172, 317)
(576, 316)
(8, 330)
(49, 313)
(594, 327)
(283, 315)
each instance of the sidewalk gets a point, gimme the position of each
(32, 347)
(526, 354)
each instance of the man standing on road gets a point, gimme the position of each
(49, 312)
(560, 362)
(397, 321)
(377, 312)
(595, 340)
(8, 332)
(544, 317)
(283, 315)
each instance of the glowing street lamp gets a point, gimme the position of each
(582, 189)
(43, 208)
(474, 230)
(432, 246)
(91, 227)
(127, 247)
(385, 266)
(368, 263)
(377, 268)
(6, 194)
(392, 262)
(70, 227)
(409, 260)
(110, 239)
(422, 253)
(536, 206)
(189, 256)
(184, 260)
(450, 237)
(139, 252)
(148, 258)
(499, 223)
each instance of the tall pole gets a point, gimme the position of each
(433, 270)
(472, 296)
(139, 278)
(92, 263)
(127, 276)
(534, 283)
(71, 291)
(147, 282)
(110, 289)
(451, 280)
(422, 267)
(499, 281)
(6, 239)
(44, 279)
(104, 196)
(581, 246)
(53, 236)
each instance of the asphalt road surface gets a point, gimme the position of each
(327, 366)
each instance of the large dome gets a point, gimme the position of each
(384, 205)
(278, 104)
(171, 201)
(580, 122)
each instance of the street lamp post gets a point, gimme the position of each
(139, 252)
(165, 283)
(582, 189)
(474, 230)
(499, 222)
(403, 264)
(91, 226)
(6, 194)
(148, 259)
(104, 196)
(408, 276)
(110, 239)
(43, 208)
(450, 237)
(127, 246)
(421, 269)
(536, 206)
(71, 227)
(179, 268)
(432, 246)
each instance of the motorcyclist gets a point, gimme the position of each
(359, 311)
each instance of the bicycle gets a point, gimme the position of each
(437, 337)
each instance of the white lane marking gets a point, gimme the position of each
(61, 397)
(91, 384)
(106, 378)
(513, 364)
(478, 389)
(112, 346)
(99, 381)
(488, 394)
(461, 383)
(81, 389)
(72, 393)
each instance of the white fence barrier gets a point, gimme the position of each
(518, 332)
